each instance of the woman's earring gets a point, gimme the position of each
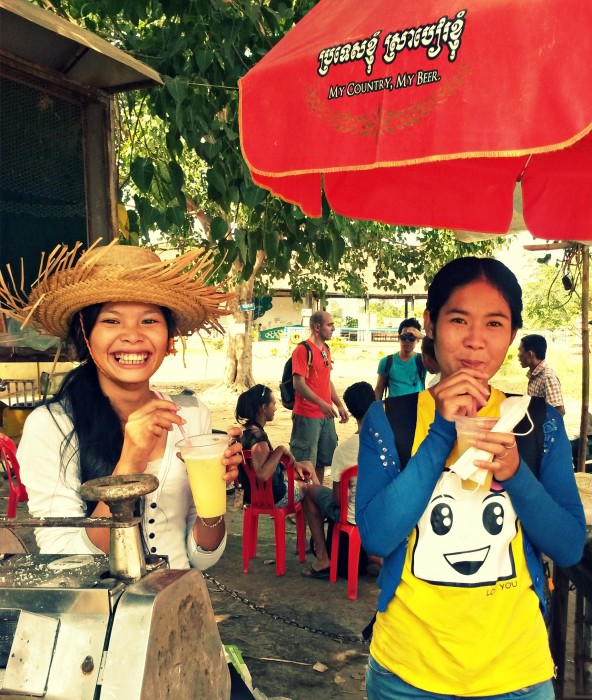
(171, 349)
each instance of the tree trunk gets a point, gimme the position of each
(238, 372)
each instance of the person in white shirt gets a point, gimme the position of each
(121, 308)
(322, 502)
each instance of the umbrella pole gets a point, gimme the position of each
(585, 358)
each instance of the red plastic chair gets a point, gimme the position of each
(354, 544)
(16, 491)
(262, 504)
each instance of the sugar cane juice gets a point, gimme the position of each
(468, 428)
(202, 455)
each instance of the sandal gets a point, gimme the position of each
(313, 573)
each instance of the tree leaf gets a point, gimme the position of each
(252, 195)
(202, 59)
(218, 228)
(323, 248)
(271, 243)
(240, 238)
(216, 181)
(142, 172)
(176, 175)
(337, 250)
(175, 215)
(177, 87)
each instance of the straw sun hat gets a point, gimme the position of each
(68, 282)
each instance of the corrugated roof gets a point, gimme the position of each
(42, 38)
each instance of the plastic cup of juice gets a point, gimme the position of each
(467, 429)
(202, 455)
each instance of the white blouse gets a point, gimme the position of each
(169, 513)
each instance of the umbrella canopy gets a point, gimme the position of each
(429, 113)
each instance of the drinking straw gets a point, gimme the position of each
(186, 439)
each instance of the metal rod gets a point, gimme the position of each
(68, 522)
(585, 358)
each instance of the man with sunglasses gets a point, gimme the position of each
(314, 437)
(403, 372)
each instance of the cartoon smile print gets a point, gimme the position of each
(464, 537)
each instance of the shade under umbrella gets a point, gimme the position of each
(428, 114)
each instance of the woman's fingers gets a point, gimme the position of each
(231, 472)
(463, 393)
(502, 446)
(233, 456)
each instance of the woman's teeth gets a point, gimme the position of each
(131, 359)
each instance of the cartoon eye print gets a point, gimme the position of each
(441, 518)
(493, 518)
(464, 537)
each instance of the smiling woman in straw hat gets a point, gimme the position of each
(120, 307)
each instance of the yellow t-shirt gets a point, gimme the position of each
(465, 619)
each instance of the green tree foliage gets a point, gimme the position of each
(386, 309)
(547, 304)
(181, 159)
(181, 164)
(390, 258)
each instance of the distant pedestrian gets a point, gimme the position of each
(403, 372)
(542, 380)
(314, 437)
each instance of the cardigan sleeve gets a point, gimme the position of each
(389, 500)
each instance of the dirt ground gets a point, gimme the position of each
(300, 638)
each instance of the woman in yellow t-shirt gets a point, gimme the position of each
(461, 601)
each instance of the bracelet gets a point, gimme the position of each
(203, 522)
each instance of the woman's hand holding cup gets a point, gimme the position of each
(502, 446)
(233, 455)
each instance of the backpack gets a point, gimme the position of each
(287, 391)
(421, 371)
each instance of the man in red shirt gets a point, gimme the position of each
(313, 418)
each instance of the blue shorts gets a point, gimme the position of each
(326, 504)
(381, 684)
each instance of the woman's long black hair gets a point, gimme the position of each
(249, 403)
(96, 424)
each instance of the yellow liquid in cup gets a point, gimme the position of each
(463, 442)
(207, 485)
(470, 429)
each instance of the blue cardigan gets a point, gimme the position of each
(390, 501)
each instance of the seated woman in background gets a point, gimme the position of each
(254, 408)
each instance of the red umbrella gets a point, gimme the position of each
(428, 113)
(432, 113)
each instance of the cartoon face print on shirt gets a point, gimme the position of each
(464, 537)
